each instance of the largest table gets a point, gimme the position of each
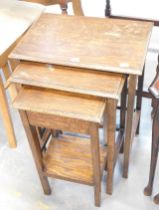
(110, 45)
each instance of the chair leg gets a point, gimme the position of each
(154, 152)
(156, 199)
(96, 163)
(77, 7)
(63, 6)
(36, 151)
(6, 116)
(111, 128)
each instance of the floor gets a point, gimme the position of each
(20, 187)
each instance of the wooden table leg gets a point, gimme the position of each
(96, 163)
(132, 80)
(111, 128)
(36, 151)
(12, 88)
(6, 116)
(156, 199)
(139, 96)
(123, 111)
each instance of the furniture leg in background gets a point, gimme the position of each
(154, 90)
(6, 116)
(76, 4)
(107, 8)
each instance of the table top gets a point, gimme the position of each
(58, 103)
(85, 42)
(92, 83)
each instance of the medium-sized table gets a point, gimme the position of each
(72, 100)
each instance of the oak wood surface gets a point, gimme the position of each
(61, 104)
(56, 122)
(87, 42)
(102, 84)
(69, 158)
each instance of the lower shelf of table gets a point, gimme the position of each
(69, 158)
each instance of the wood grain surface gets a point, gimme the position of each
(102, 84)
(61, 104)
(87, 42)
(70, 158)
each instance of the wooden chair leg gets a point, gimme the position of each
(111, 128)
(36, 151)
(77, 7)
(129, 122)
(154, 152)
(63, 6)
(6, 116)
(156, 199)
(96, 163)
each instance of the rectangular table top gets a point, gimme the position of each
(60, 104)
(86, 42)
(93, 83)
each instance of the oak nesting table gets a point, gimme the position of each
(90, 44)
